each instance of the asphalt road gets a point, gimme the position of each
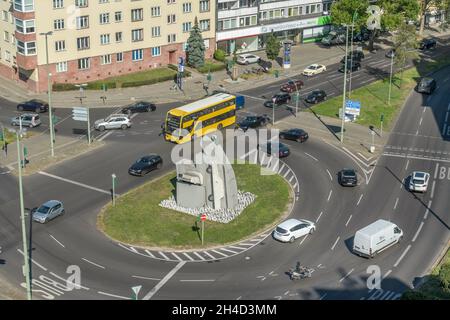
(418, 142)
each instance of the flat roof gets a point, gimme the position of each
(203, 103)
(375, 227)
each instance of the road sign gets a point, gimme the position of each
(352, 107)
(136, 291)
(80, 114)
(203, 217)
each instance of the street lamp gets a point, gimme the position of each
(345, 84)
(26, 266)
(113, 176)
(355, 16)
(49, 90)
(390, 78)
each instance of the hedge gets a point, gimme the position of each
(212, 67)
(187, 73)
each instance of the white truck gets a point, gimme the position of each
(376, 237)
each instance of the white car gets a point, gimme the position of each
(314, 69)
(419, 181)
(114, 121)
(292, 229)
(247, 58)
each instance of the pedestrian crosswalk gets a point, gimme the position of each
(380, 294)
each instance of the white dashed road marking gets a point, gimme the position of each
(74, 182)
(402, 256)
(160, 284)
(335, 243)
(93, 263)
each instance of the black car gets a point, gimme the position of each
(316, 96)
(140, 106)
(145, 165)
(363, 35)
(278, 99)
(298, 135)
(34, 105)
(355, 56)
(253, 122)
(428, 44)
(348, 177)
(426, 85)
(266, 65)
(283, 150)
(353, 66)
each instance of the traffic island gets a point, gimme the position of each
(138, 219)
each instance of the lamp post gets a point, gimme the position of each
(49, 90)
(355, 16)
(345, 85)
(390, 78)
(113, 176)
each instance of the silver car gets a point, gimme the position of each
(30, 120)
(48, 211)
(113, 122)
(247, 58)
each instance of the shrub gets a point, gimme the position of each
(211, 67)
(444, 277)
(414, 295)
(187, 73)
(147, 81)
(63, 87)
(219, 55)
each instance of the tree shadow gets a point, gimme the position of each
(196, 228)
(79, 131)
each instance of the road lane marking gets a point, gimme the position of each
(105, 136)
(335, 243)
(343, 278)
(113, 295)
(329, 196)
(34, 261)
(317, 220)
(436, 171)
(93, 263)
(57, 241)
(209, 255)
(417, 132)
(359, 200)
(177, 257)
(432, 189)
(163, 255)
(421, 119)
(160, 284)
(418, 231)
(228, 250)
(407, 163)
(311, 156)
(304, 238)
(427, 210)
(234, 247)
(396, 203)
(386, 274)
(331, 178)
(201, 258)
(402, 256)
(218, 252)
(188, 256)
(146, 278)
(74, 182)
(346, 224)
(149, 253)
(411, 156)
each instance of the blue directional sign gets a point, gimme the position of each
(352, 107)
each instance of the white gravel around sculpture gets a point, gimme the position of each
(222, 215)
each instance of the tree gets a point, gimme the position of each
(405, 42)
(273, 47)
(195, 47)
(342, 13)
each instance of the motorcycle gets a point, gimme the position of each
(300, 273)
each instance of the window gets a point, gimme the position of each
(58, 24)
(103, 1)
(171, 38)
(60, 45)
(187, 7)
(25, 26)
(171, 1)
(6, 36)
(81, 3)
(26, 48)
(104, 38)
(156, 11)
(204, 25)
(82, 22)
(105, 59)
(137, 55)
(156, 32)
(83, 43)
(137, 15)
(7, 56)
(137, 35)
(57, 4)
(61, 66)
(24, 5)
(118, 16)
(119, 56)
(187, 26)
(204, 5)
(104, 18)
(84, 63)
(156, 51)
(119, 36)
(171, 18)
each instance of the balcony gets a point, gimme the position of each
(288, 19)
(237, 12)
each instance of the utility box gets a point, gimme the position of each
(190, 195)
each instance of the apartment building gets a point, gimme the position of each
(245, 24)
(96, 39)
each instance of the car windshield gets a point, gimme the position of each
(349, 173)
(419, 175)
(250, 119)
(281, 230)
(143, 159)
(43, 209)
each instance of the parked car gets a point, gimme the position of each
(292, 86)
(333, 38)
(252, 122)
(426, 85)
(296, 134)
(145, 164)
(292, 229)
(140, 106)
(363, 35)
(278, 99)
(428, 44)
(266, 65)
(115, 121)
(419, 181)
(351, 66)
(34, 105)
(390, 53)
(247, 58)
(316, 96)
(348, 177)
(270, 147)
(30, 120)
(314, 69)
(375, 238)
(48, 211)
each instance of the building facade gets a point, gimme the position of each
(243, 25)
(96, 39)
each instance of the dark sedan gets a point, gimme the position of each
(253, 122)
(316, 96)
(145, 165)
(292, 86)
(298, 135)
(34, 105)
(140, 106)
(426, 85)
(283, 150)
(348, 177)
(278, 99)
(428, 44)
(355, 66)
(390, 53)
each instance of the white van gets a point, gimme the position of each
(376, 237)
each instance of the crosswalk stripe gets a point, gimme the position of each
(174, 254)
(199, 256)
(210, 255)
(236, 247)
(163, 255)
(224, 249)
(149, 253)
(223, 254)
(188, 256)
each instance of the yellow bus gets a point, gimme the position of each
(200, 117)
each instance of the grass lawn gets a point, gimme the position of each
(144, 75)
(374, 97)
(212, 66)
(138, 219)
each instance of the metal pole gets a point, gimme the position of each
(345, 87)
(89, 127)
(113, 189)
(390, 80)
(26, 269)
(203, 230)
(273, 113)
(381, 131)
(20, 123)
(351, 60)
(49, 90)
(296, 99)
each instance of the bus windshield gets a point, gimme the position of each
(173, 122)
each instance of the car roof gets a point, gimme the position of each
(247, 55)
(51, 203)
(289, 223)
(420, 174)
(426, 79)
(150, 156)
(37, 100)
